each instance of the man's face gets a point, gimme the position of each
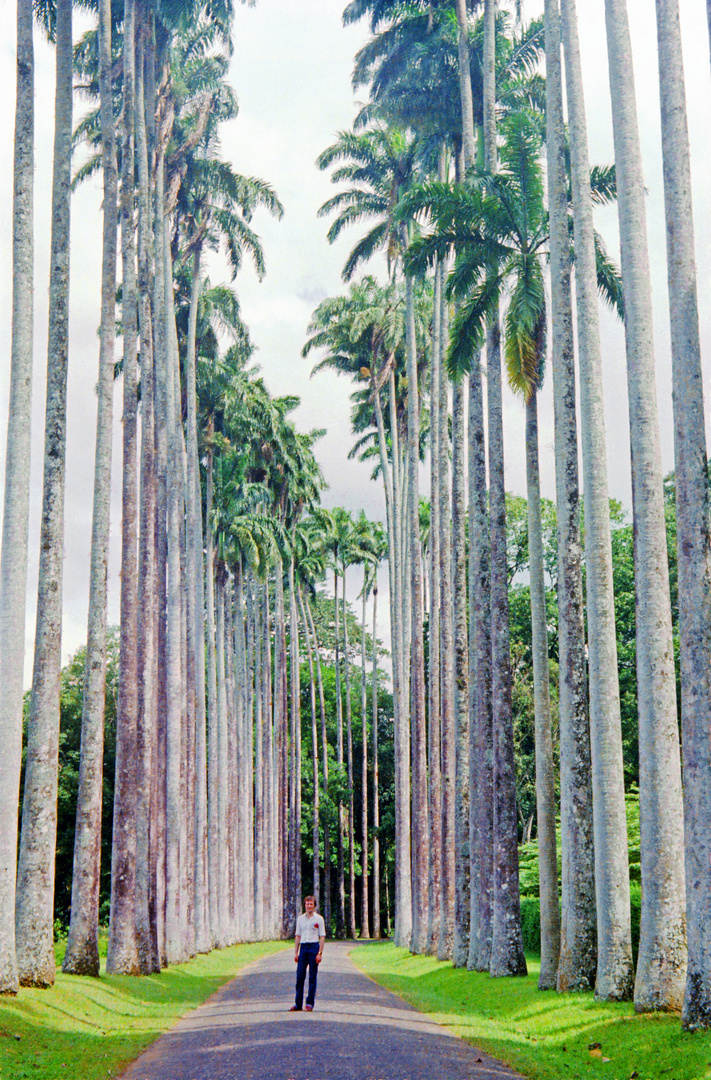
(309, 905)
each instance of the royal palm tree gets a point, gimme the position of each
(692, 502)
(35, 869)
(13, 567)
(82, 953)
(379, 164)
(662, 932)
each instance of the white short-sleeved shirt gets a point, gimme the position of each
(310, 928)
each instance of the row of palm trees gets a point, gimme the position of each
(447, 158)
(182, 740)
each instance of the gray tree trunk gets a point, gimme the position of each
(315, 829)
(460, 898)
(122, 956)
(660, 965)
(481, 762)
(13, 567)
(608, 931)
(146, 738)
(506, 942)
(447, 715)
(213, 755)
(34, 917)
(420, 826)
(365, 915)
(197, 637)
(349, 765)
(295, 734)
(176, 749)
(376, 789)
(475, 924)
(434, 697)
(324, 752)
(82, 953)
(222, 883)
(545, 773)
(571, 966)
(340, 883)
(694, 558)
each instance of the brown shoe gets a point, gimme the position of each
(296, 1008)
(309, 1008)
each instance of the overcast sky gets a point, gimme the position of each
(291, 72)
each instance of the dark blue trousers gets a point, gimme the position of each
(307, 959)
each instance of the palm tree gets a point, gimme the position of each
(380, 164)
(35, 869)
(577, 964)
(693, 544)
(662, 933)
(13, 567)
(82, 953)
(612, 938)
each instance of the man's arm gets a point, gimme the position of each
(297, 942)
(319, 954)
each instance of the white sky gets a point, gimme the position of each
(291, 71)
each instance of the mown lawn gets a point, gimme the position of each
(543, 1035)
(90, 1029)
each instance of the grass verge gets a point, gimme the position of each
(544, 1035)
(90, 1029)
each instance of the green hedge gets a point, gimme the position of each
(531, 920)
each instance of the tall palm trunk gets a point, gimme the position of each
(447, 697)
(197, 637)
(82, 954)
(13, 567)
(271, 840)
(222, 883)
(295, 733)
(506, 942)
(245, 638)
(481, 763)
(146, 741)
(259, 806)
(175, 733)
(122, 950)
(213, 754)
(420, 822)
(434, 695)
(376, 791)
(660, 966)
(460, 897)
(693, 541)
(34, 921)
(316, 805)
(365, 916)
(545, 774)
(340, 884)
(160, 137)
(391, 483)
(579, 932)
(570, 964)
(349, 765)
(286, 776)
(324, 752)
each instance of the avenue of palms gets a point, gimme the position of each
(254, 729)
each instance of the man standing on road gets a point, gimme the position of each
(310, 936)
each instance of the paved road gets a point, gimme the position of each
(358, 1031)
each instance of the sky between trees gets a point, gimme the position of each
(291, 71)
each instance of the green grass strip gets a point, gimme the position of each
(541, 1034)
(90, 1029)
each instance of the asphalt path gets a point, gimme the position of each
(357, 1031)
